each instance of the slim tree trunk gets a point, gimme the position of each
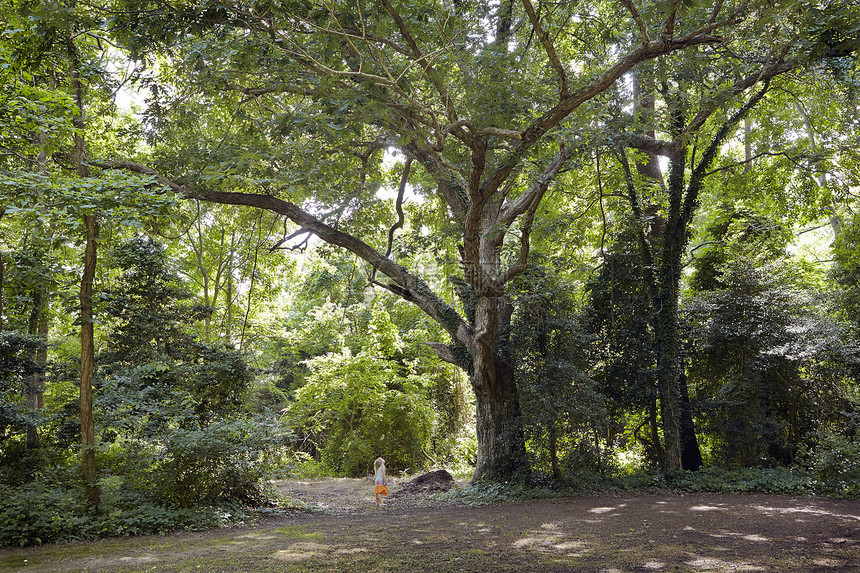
(228, 319)
(88, 434)
(654, 426)
(2, 268)
(38, 326)
(553, 451)
(35, 388)
(251, 286)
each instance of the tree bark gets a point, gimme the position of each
(667, 329)
(228, 314)
(501, 441)
(257, 246)
(691, 454)
(88, 434)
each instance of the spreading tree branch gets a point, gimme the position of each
(550, 49)
(405, 284)
(643, 28)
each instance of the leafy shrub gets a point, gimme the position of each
(267, 398)
(770, 480)
(38, 513)
(562, 409)
(358, 407)
(298, 464)
(767, 365)
(225, 461)
(228, 461)
(16, 365)
(835, 465)
(715, 479)
(48, 512)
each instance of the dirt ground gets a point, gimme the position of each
(589, 534)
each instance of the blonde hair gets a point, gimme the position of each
(378, 462)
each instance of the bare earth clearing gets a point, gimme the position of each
(611, 534)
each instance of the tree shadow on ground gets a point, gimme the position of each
(605, 534)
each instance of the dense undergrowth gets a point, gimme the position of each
(782, 481)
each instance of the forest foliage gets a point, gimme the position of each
(577, 245)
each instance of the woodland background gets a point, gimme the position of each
(559, 245)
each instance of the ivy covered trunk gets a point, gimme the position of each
(669, 366)
(680, 447)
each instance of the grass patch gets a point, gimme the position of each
(298, 532)
(17, 562)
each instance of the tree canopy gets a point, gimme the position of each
(332, 215)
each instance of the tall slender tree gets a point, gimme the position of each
(91, 226)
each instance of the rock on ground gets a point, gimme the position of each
(431, 482)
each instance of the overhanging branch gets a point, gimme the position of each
(404, 282)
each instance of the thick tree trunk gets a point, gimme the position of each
(501, 441)
(668, 375)
(681, 447)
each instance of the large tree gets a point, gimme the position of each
(291, 106)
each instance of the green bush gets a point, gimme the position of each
(39, 512)
(298, 464)
(355, 408)
(224, 461)
(835, 465)
(785, 481)
(45, 511)
(773, 480)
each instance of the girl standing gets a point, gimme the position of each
(380, 489)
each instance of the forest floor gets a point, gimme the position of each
(626, 532)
